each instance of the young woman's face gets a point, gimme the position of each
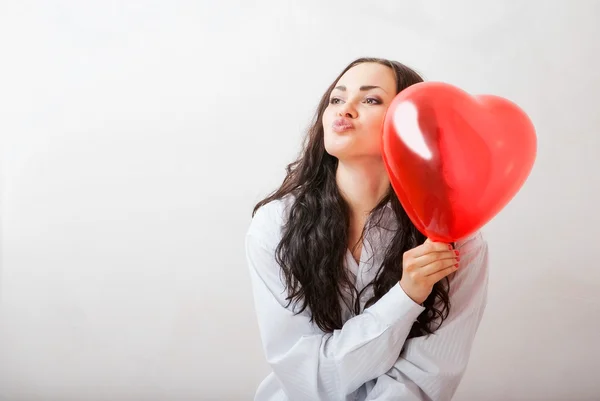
(353, 120)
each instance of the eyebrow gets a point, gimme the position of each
(362, 88)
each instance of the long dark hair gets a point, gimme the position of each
(313, 247)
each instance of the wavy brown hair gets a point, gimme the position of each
(314, 239)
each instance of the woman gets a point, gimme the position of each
(353, 302)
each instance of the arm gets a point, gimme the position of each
(312, 365)
(430, 368)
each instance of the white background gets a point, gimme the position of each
(136, 136)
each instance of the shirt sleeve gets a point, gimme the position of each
(311, 364)
(431, 367)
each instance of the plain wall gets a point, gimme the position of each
(136, 136)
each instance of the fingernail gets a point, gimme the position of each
(456, 252)
(458, 258)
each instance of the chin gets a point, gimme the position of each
(349, 150)
(334, 152)
(349, 154)
(339, 150)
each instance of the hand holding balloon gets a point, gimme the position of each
(425, 265)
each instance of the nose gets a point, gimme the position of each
(347, 110)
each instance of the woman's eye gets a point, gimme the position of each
(372, 100)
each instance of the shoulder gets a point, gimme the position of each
(267, 223)
(474, 251)
(472, 241)
(262, 238)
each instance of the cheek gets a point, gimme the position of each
(376, 119)
(373, 127)
(326, 121)
(328, 115)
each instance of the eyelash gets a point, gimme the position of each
(376, 101)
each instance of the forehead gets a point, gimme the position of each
(369, 74)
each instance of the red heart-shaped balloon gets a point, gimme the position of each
(455, 160)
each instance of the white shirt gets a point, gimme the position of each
(361, 360)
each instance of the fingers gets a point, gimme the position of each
(437, 266)
(434, 257)
(430, 258)
(428, 247)
(440, 274)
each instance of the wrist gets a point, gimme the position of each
(408, 294)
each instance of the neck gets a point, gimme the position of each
(362, 184)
